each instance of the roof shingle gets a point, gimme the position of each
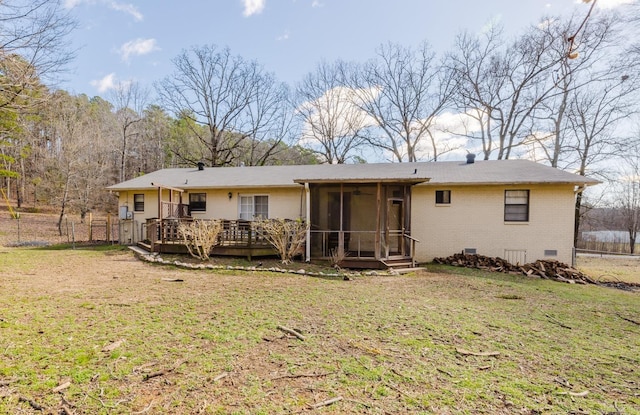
(450, 173)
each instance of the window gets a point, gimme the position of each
(254, 207)
(516, 205)
(138, 202)
(197, 202)
(443, 197)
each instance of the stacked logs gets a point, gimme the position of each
(547, 269)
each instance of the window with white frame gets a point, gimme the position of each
(254, 207)
(516, 205)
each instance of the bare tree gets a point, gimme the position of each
(403, 90)
(155, 133)
(594, 116)
(129, 100)
(33, 39)
(502, 86)
(184, 145)
(68, 153)
(626, 199)
(232, 98)
(332, 123)
(587, 60)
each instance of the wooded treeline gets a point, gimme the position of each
(564, 92)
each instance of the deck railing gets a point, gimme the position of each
(241, 233)
(238, 233)
(172, 210)
(357, 244)
(360, 244)
(247, 234)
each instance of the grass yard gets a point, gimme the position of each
(611, 268)
(99, 332)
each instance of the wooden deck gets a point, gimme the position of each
(238, 238)
(241, 238)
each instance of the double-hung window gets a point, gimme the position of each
(197, 202)
(254, 207)
(138, 202)
(516, 205)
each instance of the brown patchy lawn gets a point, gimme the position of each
(129, 340)
(611, 268)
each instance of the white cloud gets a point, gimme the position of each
(284, 36)
(112, 4)
(317, 3)
(546, 23)
(252, 7)
(137, 47)
(106, 83)
(335, 110)
(535, 145)
(449, 131)
(608, 4)
(127, 8)
(70, 4)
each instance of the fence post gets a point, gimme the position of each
(108, 230)
(90, 227)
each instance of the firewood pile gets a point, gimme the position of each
(547, 269)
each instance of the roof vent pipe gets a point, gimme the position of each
(471, 158)
(200, 165)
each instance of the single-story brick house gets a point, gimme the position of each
(374, 213)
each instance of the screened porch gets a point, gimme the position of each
(361, 222)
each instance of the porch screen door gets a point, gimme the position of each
(395, 227)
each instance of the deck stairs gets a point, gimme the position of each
(401, 265)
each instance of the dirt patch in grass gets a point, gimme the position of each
(128, 338)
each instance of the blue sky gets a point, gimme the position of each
(121, 41)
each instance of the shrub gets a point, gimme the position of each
(200, 236)
(287, 236)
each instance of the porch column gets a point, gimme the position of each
(378, 242)
(160, 203)
(160, 215)
(308, 219)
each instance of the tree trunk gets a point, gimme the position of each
(63, 205)
(20, 187)
(576, 223)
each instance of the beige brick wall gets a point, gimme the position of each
(475, 219)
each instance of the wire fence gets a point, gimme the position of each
(613, 247)
(42, 229)
(36, 229)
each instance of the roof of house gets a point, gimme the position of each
(435, 173)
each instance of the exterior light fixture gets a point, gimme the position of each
(230, 195)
